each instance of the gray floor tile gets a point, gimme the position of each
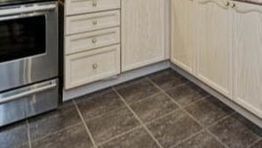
(171, 129)
(14, 135)
(48, 123)
(168, 79)
(136, 90)
(98, 103)
(111, 124)
(138, 138)
(153, 107)
(187, 94)
(236, 132)
(74, 137)
(201, 140)
(209, 110)
(257, 144)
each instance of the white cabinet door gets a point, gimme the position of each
(91, 66)
(182, 37)
(248, 57)
(143, 33)
(214, 56)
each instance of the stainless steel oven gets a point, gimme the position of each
(28, 60)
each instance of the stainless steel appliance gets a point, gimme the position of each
(28, 60)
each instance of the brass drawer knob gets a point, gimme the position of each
(227, 4)
(94, 3)
(95, 22)
(94, 40)
(94, 66)
(233, 5)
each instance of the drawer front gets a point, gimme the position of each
(91, 22)
(91, 40)
(86, 6)
(91, 66)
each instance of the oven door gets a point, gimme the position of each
(28, 44)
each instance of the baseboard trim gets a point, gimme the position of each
(126, 76)
(250, 116)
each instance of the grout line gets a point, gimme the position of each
(174, 87)
(53, 133)
(140, 121)
(84, 123)
(28, 134)
(189, 137)
(146, 98)
(219, 120)
(199, 100)
(161, 117)
(214, 136)
(204, 127)
(180, 85)
(120, 135)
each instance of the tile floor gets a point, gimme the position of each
(162, 110)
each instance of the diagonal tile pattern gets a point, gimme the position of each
(65, 116)
(135, 139)
(173, 128)
(209, 110)
(98, 103)
(68, 138)
(136, 90)
(111, 124)
(201, 140)
(162, 110)
(168, 79)
(187, 94)
(236, 132)
(153, 107)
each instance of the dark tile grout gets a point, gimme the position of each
(189, 137)
(182, 108)
(140, 121)
(85, 125)
(120, 135)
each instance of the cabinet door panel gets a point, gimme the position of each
(214, 59)
(248, 57)
(183, 37)
(143, 33)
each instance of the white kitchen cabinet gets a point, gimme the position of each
(91, 40)
(143, 32)
(90, 66)
(73, 7)
(92, 21)
(183, 47)
(214, 55)
(248, 56)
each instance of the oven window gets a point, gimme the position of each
(22, 37)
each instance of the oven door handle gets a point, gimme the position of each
(23, 10)
(26, 15)
(28, 92)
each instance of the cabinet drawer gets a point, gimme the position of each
(91, 40)
(90, 22)
(86, 67)
(85, 6)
